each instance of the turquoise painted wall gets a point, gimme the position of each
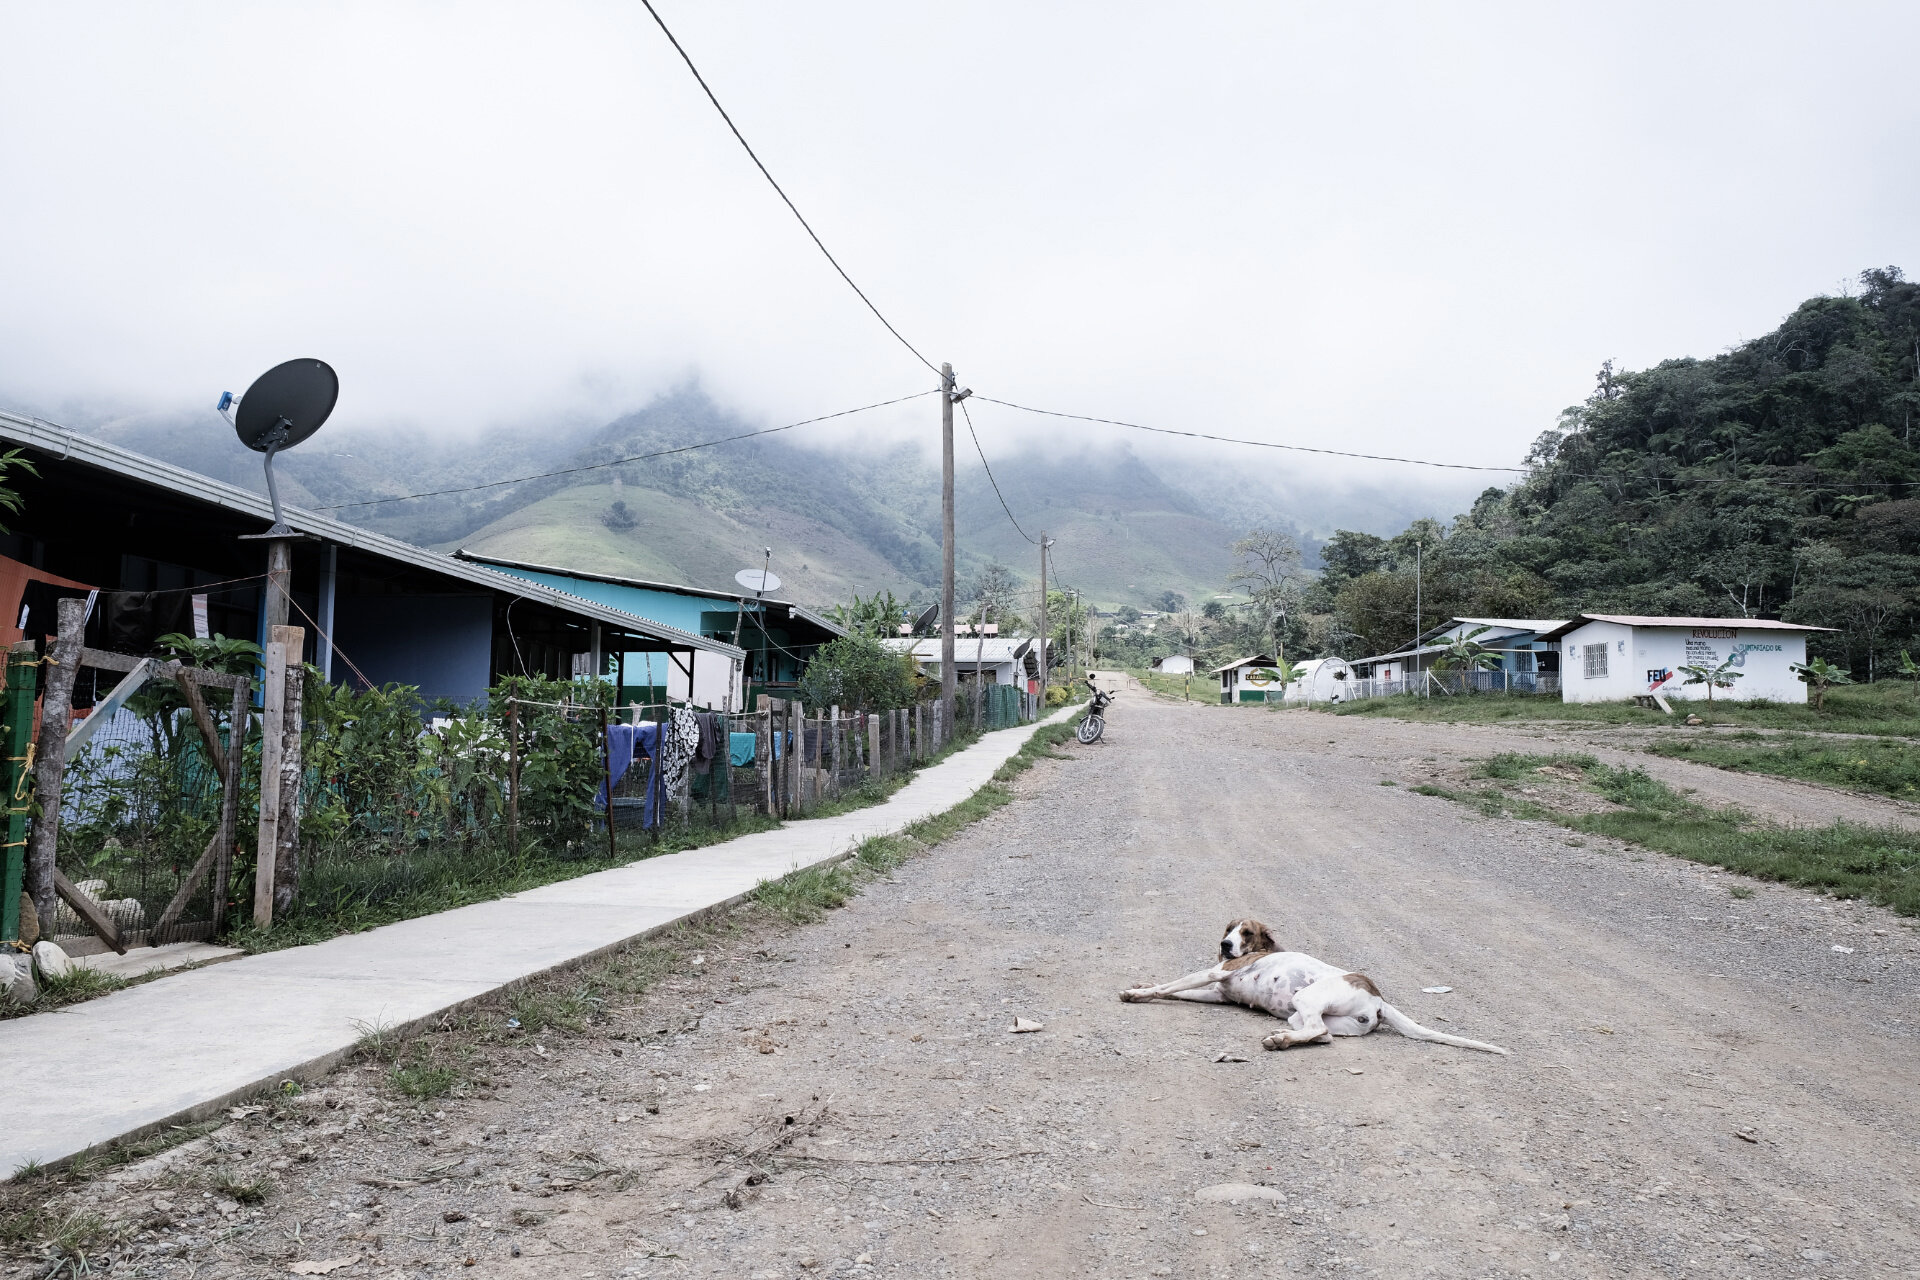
(665, 607)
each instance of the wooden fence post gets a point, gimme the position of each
(272, 729)
(56, 717)
(286, 861)
(513, 775)
(763, 752)
(830, 736)
(873, 744)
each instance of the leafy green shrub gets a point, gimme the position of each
(857, 673)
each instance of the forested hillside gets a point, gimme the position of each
(1777, 480)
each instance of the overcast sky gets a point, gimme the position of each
(1395, 228)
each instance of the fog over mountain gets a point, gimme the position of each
(1130, 521)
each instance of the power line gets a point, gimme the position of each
(989, 470)
(1460, 466)
(615, 462)
(777, 188)
(1260, 444)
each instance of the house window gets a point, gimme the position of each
(1596, 656)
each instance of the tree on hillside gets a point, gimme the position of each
(1779, 479)
(1271, 575)
(993, 595)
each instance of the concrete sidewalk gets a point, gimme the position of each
(180, 1047)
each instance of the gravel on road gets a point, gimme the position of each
(1699, 1083)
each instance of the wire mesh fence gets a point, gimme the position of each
(1457, 682)
(145, 825)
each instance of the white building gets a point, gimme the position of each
(1613, 657)
(1177, 665)
(1519, 644)
(1320, 680)
(1005, 659)
(1253, 679)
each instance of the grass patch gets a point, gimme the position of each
(1879, 766)
(801, 897)
(1887, 707)
(1848, 860)
(347, 889)
(79, 983)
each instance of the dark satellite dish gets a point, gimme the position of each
(284, 406)
(927, 618)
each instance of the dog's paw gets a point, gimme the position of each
(1278, 1040)
(1135, 995)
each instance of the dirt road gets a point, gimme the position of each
(1699, 1084)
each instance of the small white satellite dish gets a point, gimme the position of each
(758, 581)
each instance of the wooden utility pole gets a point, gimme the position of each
(1045, 542)
(279, 581)
(279, 793)
(946, 540)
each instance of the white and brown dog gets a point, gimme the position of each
(1318, 1000)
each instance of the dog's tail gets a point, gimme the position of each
(1414, 1031)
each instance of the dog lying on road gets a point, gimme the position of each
(1318, 1000)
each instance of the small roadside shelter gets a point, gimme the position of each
(1611, 657)
(1250, 679)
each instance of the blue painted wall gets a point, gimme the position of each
(443, 644)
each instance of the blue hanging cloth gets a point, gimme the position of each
(624, 742)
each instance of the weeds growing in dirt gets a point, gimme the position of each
(1849, 860)
(1880, 766)
(241, 1190)
(1742, 891)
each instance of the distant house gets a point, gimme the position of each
(376, 610)
(1612, 657)
(1517, 644)
(1250, 679)
(1176, 665)
(778, 636)
(1013, 660)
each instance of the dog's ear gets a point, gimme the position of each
(1262, 940)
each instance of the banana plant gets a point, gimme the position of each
(1467, 655)
(1720, 677)
(1820, 676)
(1909, 670)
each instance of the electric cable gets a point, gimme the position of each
(820, 244)
(990, 480)
(615, 462)
(1260, 444)
(1456, 466)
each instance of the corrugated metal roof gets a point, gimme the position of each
(1635, 620)
(1256, 660)
(732, 597)
(992, 650)
(88, 451)
(1518, 624)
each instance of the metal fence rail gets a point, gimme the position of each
(1442, 683)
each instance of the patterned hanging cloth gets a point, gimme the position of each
(683, 739)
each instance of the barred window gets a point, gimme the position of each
(1596, 656)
